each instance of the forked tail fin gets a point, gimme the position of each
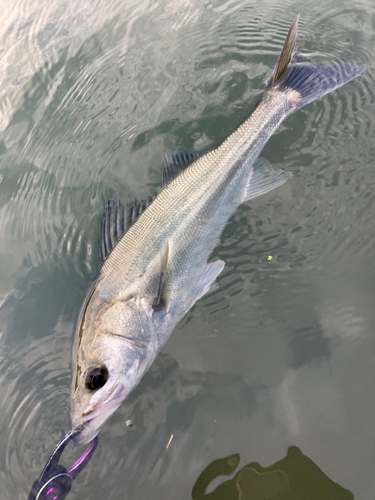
(285, 56)
(306, 82)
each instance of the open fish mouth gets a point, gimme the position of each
(90, 423)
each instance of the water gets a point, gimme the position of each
(92, 93)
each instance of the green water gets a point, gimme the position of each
(92, 94)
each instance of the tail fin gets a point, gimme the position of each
(307, 81)
(286, 55)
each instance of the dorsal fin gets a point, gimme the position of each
(285, 54)
(116, 220)
(175, 163)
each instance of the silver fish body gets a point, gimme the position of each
(158, 269)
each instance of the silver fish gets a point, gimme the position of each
(154, 254)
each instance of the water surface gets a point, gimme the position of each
(92, 94)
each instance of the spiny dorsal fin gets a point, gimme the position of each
(175, 163)
(285, 55)
(116, 220)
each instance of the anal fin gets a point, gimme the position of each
(263, 179)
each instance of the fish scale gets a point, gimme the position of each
(176, 204)
(154, 272)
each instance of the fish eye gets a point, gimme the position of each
(96, 378)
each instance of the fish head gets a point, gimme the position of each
(115, 345)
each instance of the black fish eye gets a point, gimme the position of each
(96, 378)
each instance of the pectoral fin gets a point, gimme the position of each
(263, 178)
(209, 275)
(161, 300)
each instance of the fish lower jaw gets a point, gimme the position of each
(91, 427)
(91, 423)
(85, 436)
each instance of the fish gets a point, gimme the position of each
(154, 255)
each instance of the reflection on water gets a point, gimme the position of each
(295, 477)
(92, 94)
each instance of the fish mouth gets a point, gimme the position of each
(90, 423)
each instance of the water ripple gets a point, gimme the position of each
(36, 380)
(91, 96)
